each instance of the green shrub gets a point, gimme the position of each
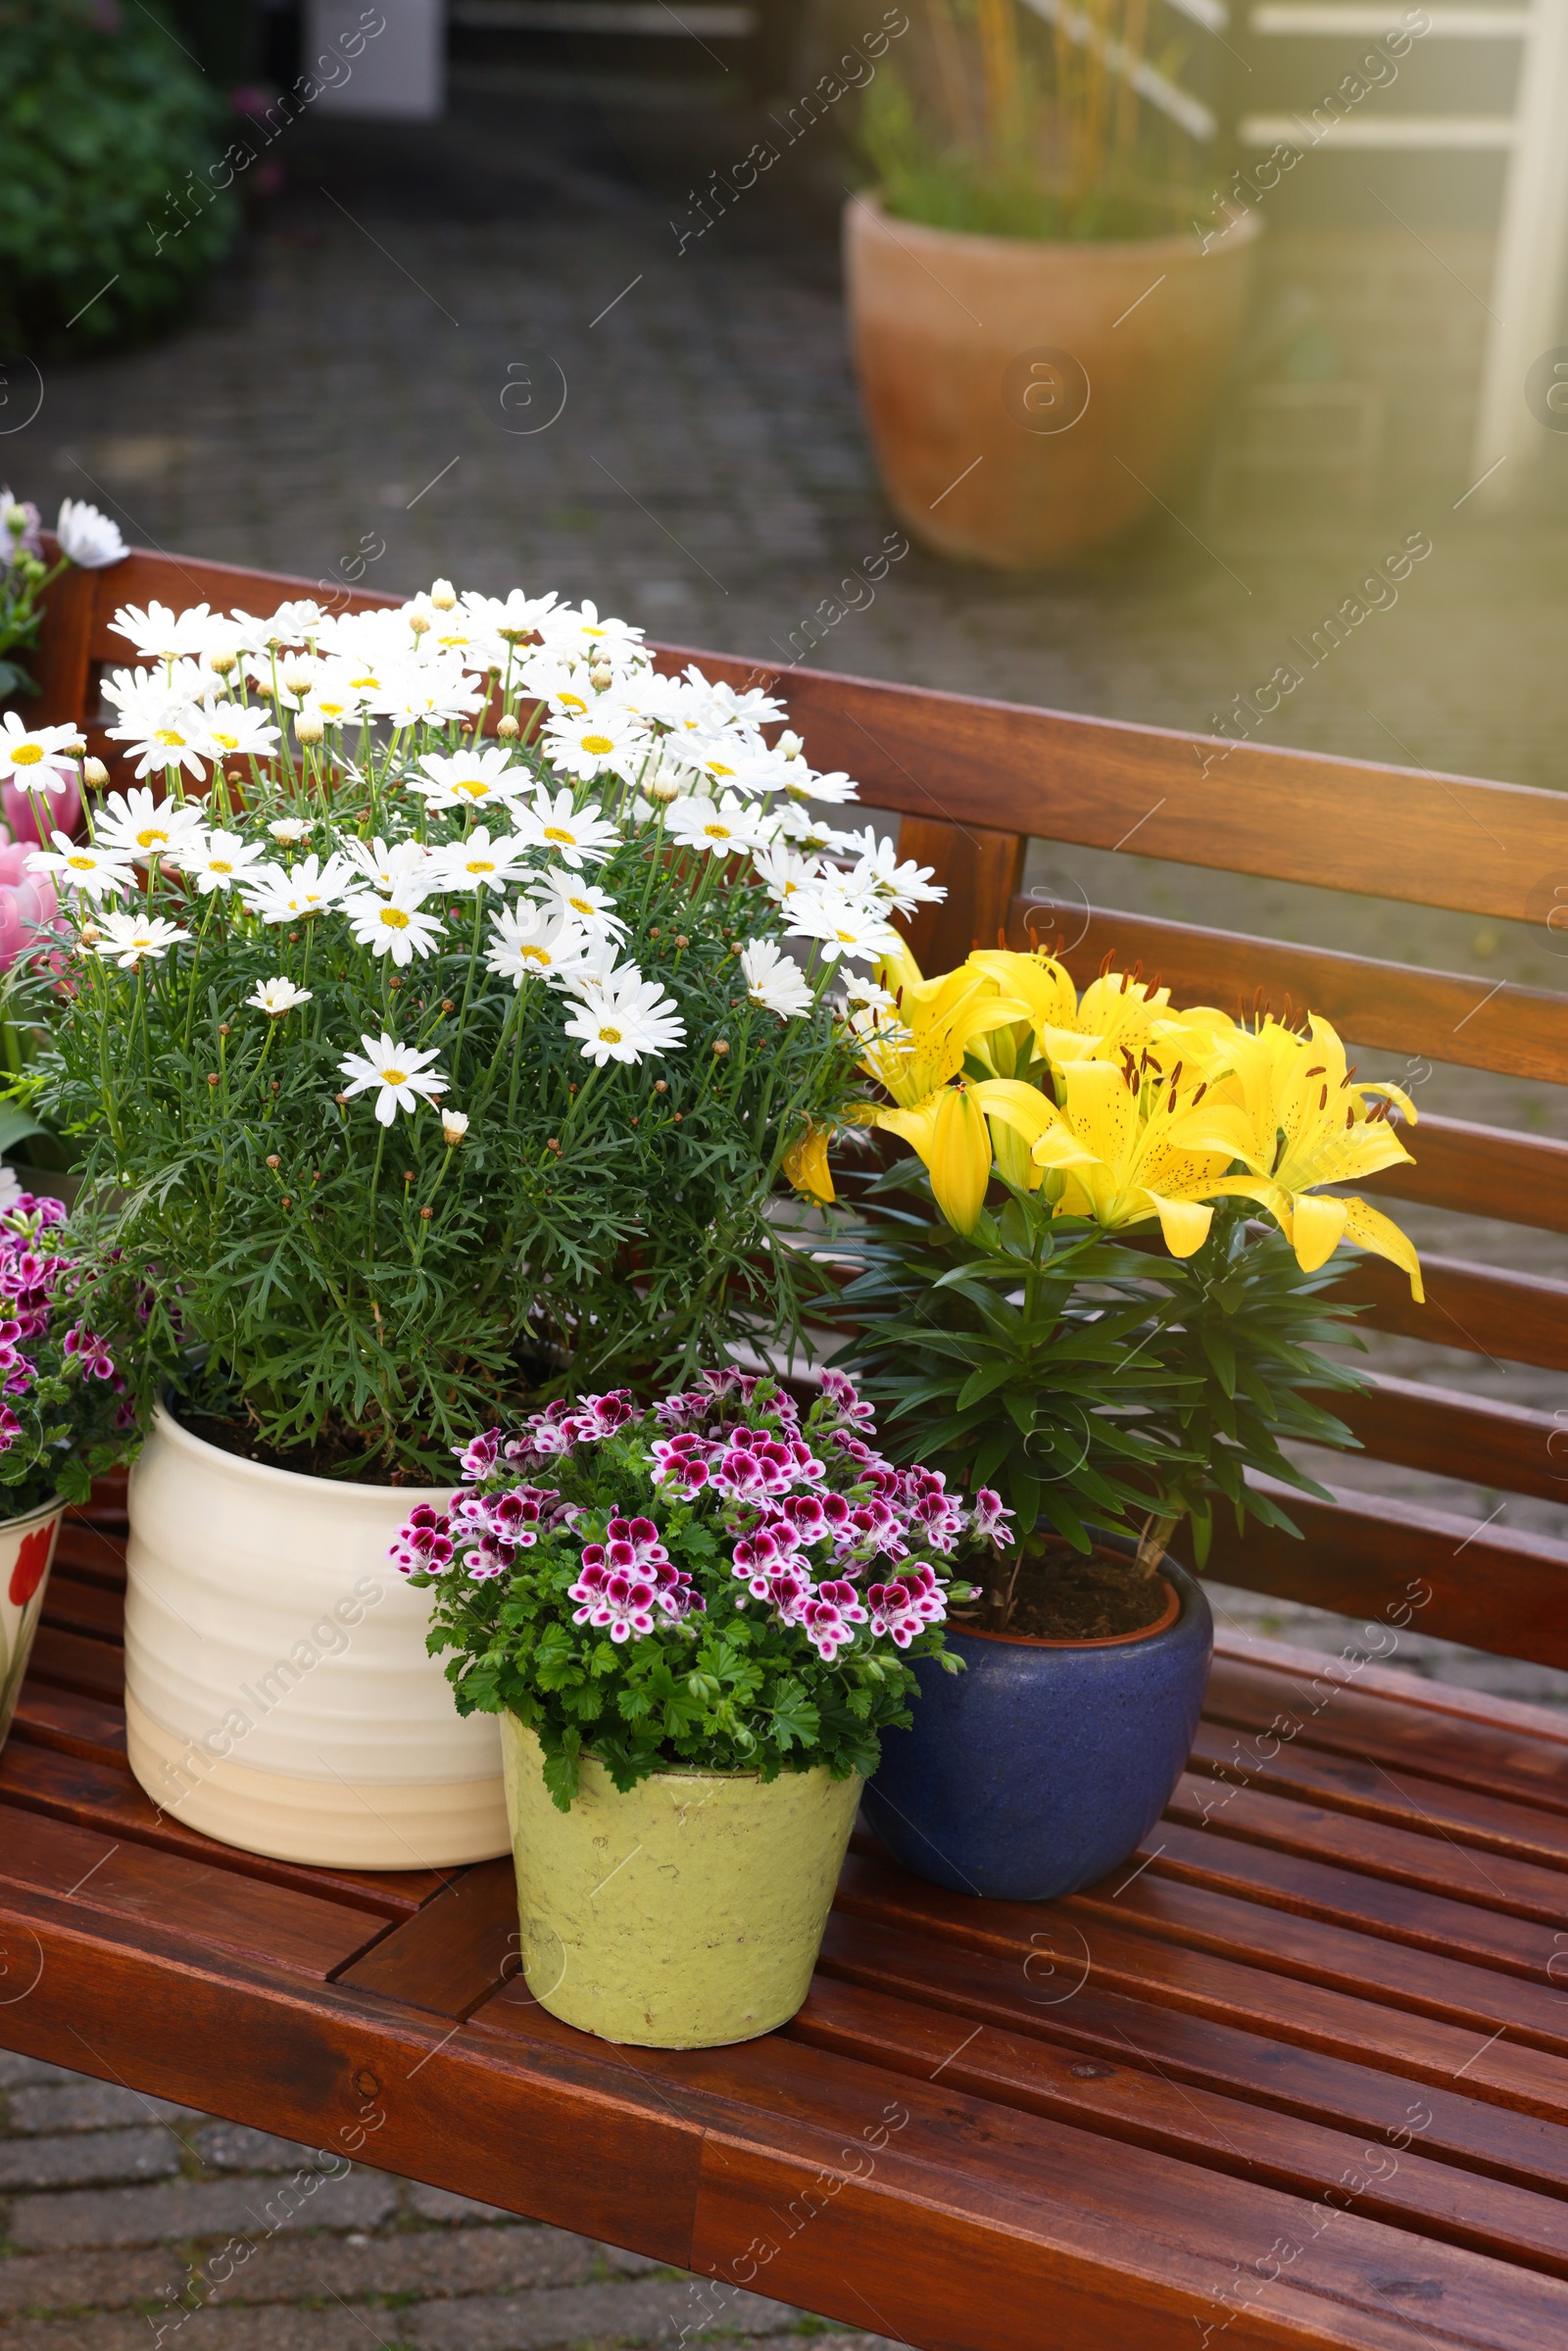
(108, 135)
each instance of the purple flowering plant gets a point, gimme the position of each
(65, 1416)
(718, 1582)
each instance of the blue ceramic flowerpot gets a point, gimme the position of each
(1044, 1764)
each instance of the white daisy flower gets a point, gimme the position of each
(278, 895)
(584, 636)
(159, 635)
(602, 740)
(529, 942)
(511, 620)
(234, 730)
(216, 861)
(290, 831)
(773, 980)
(477, 862)
(832, 790)
(625, 1017)
(35, 757)
(471, 779)
(163, 729)
(134, 824)
(394, 926)
(783, 870)
(841, 922)
(406, 861)
(572, 833)
(129, 937)
(80, 865)
(582, 902)
(427, 695)
(877, 874)
(700, 823)
(300, 621)
(338, 692)
(276, 997)
(402, 1075)
(454, 1126)
(88, 535)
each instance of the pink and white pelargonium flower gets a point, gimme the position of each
(424, 1544)
(614, 1599)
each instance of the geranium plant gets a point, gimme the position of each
(717, 1584)
(65, 1415)
(1116, 1340)
(434, 1069)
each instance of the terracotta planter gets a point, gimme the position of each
(26, 1554)
(685, 1914)
(278, 1692)
(1028, 401)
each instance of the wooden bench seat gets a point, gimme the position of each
(1297, 2074)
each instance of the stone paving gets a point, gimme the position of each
(126, 2222)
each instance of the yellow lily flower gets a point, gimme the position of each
(950, 1131)
(1310, 1126)
(1126, 1155)
(805, 1165)
(919, 1045)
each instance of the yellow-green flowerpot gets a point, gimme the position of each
(684, 1915)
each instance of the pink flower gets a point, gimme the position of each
(991, 1520)
(906, 1605)
(642, 1536)
(90, 1352)
(28, 907)
(830, 1618)
(842, 1392)
(612, 1598)
(422, 1545)
(10, 1428)
(477, 1458)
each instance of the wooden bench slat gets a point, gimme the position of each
(70, 1661)
(223, 1909)
(1343, 1789)
(1118, 2028)
(69, 1723)
(1322, 1705)
(1401, 1008)
(1512, 1317)
(1285, 815)
(85, 1608)
(456, 1950)
(1507, 1446)
(1453, 1877)
(1123, 2101)
(94, 1555)
(1251, 1922)
(1464, 1580)
(1013, 2173)
(1126, 1954)
(95, 1791)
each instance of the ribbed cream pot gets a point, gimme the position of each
(278, 1692)
(683, 1914)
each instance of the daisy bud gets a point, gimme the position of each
(222, 658)
(340, 1100)
(454, 1126)
(298, 677)
(507, 728)
(76, 750)
(213, 1077)
(308, 727)
(285, 1202)
(790, 744)
(443, 596)
(664, 787)
(427, 1213)
(272, 1159)
(94, 774)
(681, 939)
(660, 1087)
(420, 622)
(600, 676)
(721, 1045)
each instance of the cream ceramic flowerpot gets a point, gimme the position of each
(278, 1692)
(1028, 401)
(684, 1915)
(26, 1554)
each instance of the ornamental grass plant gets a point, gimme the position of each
(432, 1072)
(1001, 125)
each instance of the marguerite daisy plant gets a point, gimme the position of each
(440, 1067)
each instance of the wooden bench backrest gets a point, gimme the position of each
(973, 782)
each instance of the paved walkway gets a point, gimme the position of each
(128, 2222)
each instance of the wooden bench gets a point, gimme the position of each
(1297, 2074)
